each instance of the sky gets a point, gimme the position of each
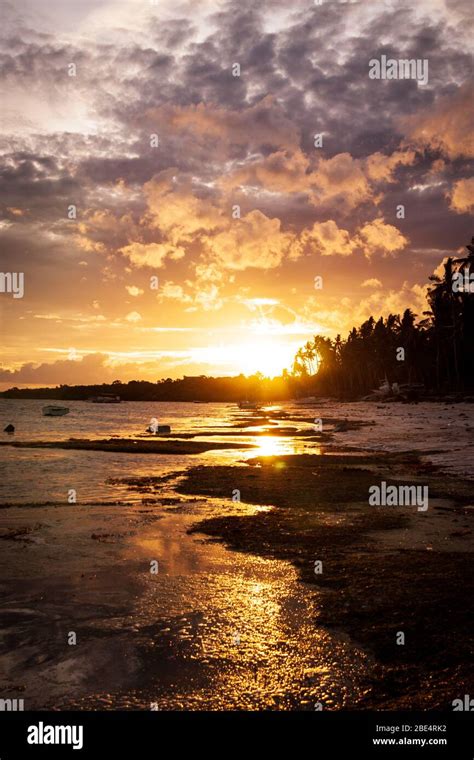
(200, 187)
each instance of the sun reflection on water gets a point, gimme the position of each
(242, 627)
(271, 445)
(274, 445)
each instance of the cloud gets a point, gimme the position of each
(283, 171)
(94, 368)
(462, 196)
(173, 291)
(446, 125)
(253, 241)
(256, 304)
(134, 291)
(341, 179)
(373, 282)
(379, 237)
(133, 317)
(208, 298)
(381, 167)
(392, 302)
(178, 212)
(327, 239)
(170, 290)
(263, 124)
(89, 369)
(151, 254)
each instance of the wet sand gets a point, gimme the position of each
(384, 570)
(211, 630)
(235, 617)
(128, 446)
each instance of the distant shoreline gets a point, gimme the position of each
(55, 395)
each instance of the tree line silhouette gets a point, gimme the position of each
(189, 388)
(438, 350)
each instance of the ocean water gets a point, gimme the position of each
(442, 433)
(214, 629)
(128, 419)
(39, 475)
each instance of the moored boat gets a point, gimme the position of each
(55, 411)
(155, 428)
(158, 429)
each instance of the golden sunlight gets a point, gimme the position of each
(268, 355)
(272, 445)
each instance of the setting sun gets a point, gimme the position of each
(268, 355)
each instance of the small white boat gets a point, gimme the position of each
(55, 411)
(248, 405)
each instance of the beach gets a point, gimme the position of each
(186, 567)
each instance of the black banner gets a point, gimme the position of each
(324, 734)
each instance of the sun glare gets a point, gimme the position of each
(262, 353)
(265, 355)
(272, 445)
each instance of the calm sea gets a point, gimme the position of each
(443, 432)
(43, 475)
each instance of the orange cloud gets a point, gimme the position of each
(446, 126)
(283, 171)
(328, 239)
(377, 236)
(253, 241)
(151, 254)
(380, 167)
(394, 302)
(178, 213)
(263, 123)
(341, 179)
(462, 196)
(133, 316)
(134, 291)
